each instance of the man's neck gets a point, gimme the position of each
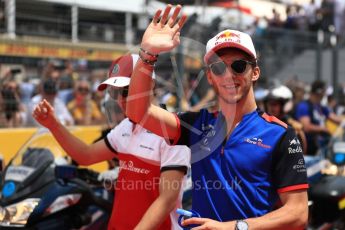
(234, 113)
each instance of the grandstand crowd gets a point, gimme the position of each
(77, 102)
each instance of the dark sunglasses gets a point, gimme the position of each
(238, 67)
(115, 92)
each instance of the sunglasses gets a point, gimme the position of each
(238, 67)
(115, 92)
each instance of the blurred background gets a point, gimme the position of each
(61, 49)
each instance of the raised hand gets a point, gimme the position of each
(44, 114)
(163, 34)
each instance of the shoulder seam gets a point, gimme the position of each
(273, 119)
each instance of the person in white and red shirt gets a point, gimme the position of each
(148, 189)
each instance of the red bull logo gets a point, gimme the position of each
(228, 35)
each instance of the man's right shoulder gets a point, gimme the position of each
(195, 115)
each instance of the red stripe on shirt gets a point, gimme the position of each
(273, 119)
(293, 188)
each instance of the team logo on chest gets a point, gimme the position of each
(257, 141)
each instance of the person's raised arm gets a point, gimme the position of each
(162, 35)
(80, 152)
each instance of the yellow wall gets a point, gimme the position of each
(12, 139)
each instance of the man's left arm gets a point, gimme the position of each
(290, 180)
(335, 118)
(292, 215)
(169, 190)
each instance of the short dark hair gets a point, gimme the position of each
(318, 87)
(50, 86)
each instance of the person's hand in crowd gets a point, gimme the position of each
(163, 33)
(5, 74)
(44, 114)
(325, 131)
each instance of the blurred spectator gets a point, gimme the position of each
(48, 90)
(13, 112)
(313, 117)
(327, 15)
(97, 76)
(332, 103)
(291, 20)
(83, 109)
(311, 15)
(53, 69)
(212, 29)
(298, 89)
(191, 21)
(261, 26)
(66, 82)
(6, 75)
(27, 90)
(276, 103)
(301, 20)
(62, 72)
(199, 93)
(275, 21)
(339, 17)
(65, 92)
(98, 98)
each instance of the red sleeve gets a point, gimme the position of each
(175, 140)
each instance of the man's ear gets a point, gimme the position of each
(256, 73)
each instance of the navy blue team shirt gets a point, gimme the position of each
(240, 177)
(318, 115)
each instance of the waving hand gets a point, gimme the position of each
(163, 33)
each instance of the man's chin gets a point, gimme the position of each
(232, 100)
